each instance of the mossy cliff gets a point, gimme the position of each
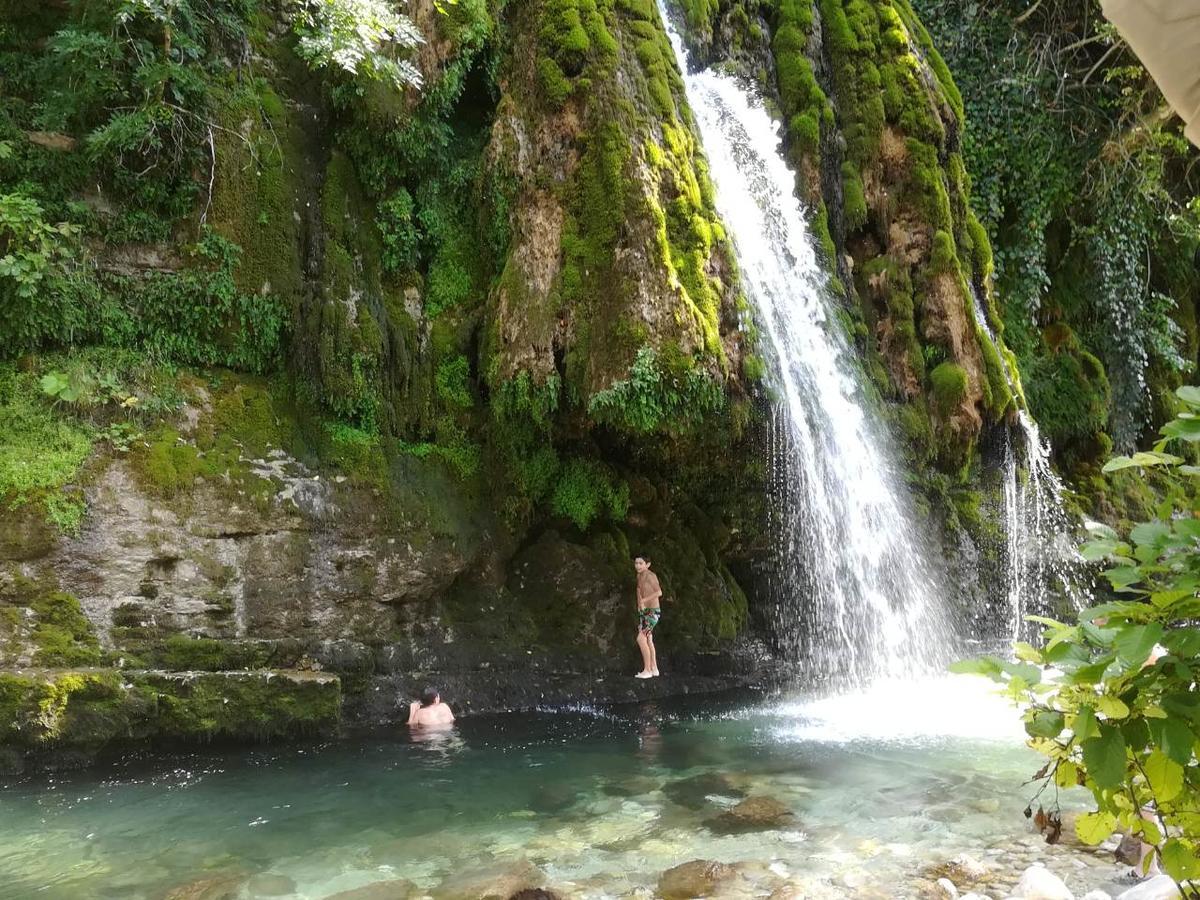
(387, 384)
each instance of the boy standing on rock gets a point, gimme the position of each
(649, 597)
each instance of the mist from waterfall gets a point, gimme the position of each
(858, 599)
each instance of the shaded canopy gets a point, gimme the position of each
(1165, 34)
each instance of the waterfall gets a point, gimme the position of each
(858, 597)
(1042, 561)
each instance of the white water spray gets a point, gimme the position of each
(1041, 557)
(859, 598)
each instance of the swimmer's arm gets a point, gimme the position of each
(412, 712)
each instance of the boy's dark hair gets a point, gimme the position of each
(429, 696)
(644, 559)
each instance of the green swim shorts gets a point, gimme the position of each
(648, 618)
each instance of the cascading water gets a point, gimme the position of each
(1042, 560)
(860, 599)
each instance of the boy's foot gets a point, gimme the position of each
(644, 675)
(654, 673)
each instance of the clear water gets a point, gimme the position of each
(859, 598)
(599, 801)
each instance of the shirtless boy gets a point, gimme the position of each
(429, 711)
(649, 599)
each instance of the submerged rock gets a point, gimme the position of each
(214, 887)
(401, 889)
(694, 792)
(697, 878)
(490, 883)
(1039, 883)
(270, 884)
(752, 814)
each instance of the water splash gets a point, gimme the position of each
(1043, 563)
(859, 599)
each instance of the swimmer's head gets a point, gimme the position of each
(429, 696)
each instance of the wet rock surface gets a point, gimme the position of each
(752, 814)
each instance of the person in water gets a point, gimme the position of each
(649, 598)
(429, 710)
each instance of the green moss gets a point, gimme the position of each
(998, 395)
(257, 183)
(40, 449)
(949, 386)
(180, 653)
(1069, 396)
(753, 367)
(62, 633)
(453, 382)
(585, 491)
(820, 226)
(854, 201)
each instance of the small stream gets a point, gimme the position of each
(601, 801)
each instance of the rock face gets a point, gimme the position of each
(440, 362)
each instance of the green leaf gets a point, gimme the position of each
(1133, 643)
(1174, 738)
(1116, 609)
(1086, 726)
(1189, 528)
(1104, 757)
(1094, 673)
(1183, 642)
(1163, 599)
(1100, 530)
(1179, 860)
(1112, 707)
(1027, 673)
(1121, 577)
(1135, 733)
(1183, 429)
(1097, 635)
(1046, 723)
(1189, 394)
(1165, 776)
(1139, 460)
(1094, 828)
(1027, 652)
(1186, 705)
(1150, 532)
(988, 666)
(1046, 620)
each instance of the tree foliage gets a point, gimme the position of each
(1111, 700)
(366, 38)
(1083, 181)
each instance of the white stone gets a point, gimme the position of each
(1095, 895)
(973, 896)
(948, 886)
(1160, 887)
(968, 866)
(1039, 883)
